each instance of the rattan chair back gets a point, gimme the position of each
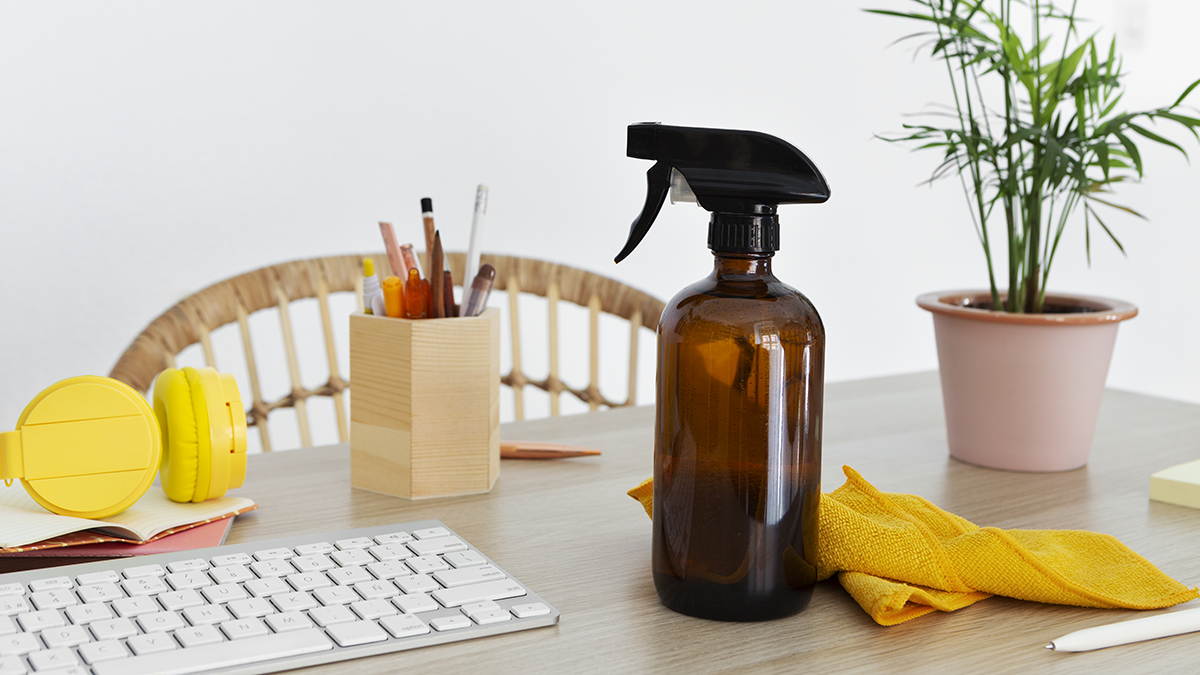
(193, 319)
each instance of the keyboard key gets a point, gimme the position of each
(194, 636)
(386, 552)
(328, 616)
(150, 644)
(313, 549)
(344, 576)
(293, 602)
(468, 575)
(273, 554)
(288, 621)
(231, 559)
(404, 626)
(443, 623)
(251, 608)
(437, 545)
(180, 600)
(393, 538)
(65, 636)
(100, 592)
(417, 583)
(194, 564)
(134, 606)
(532, 609)
(19, 644)
(336, 595)
(488, 590)
(84, 614)
(12, 665)
(427, 564)
(356, 542)
(140, 586)
(465, 559)
(13, 605)
(95, 652)
(35, 621)
(12, 589)
(223, 656)
(53, 583)
(7, 627)
(353, 556)
(160, 622)
(272, 568)
(488, 618)
(144, 571)
(373, 609)
(356, 633)
(431, 533)
(313, 563)
(244, 628)
(54, 599)
(193, 579)
(261, 588)
(206, 615)
(231, 574)
(105, 577)
(372, 590)
(416, 603)
(224, 593)
(53, 658)
(112, 629)
(389, 569)
(473, 608)
(307, 581)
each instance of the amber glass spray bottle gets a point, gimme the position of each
(737, 451)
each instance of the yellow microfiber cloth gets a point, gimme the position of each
(901, 557)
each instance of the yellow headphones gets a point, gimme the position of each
(89, 446)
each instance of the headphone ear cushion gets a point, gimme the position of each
(175, 410)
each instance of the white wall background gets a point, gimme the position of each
(150, 149)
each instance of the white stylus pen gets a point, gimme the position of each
(1137, 630)
(481, 196)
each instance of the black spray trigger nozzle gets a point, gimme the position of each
(658, 184)
(741, 177)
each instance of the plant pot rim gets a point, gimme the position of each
(953, 303)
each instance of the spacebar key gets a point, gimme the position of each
(488, 590)
(219, 656)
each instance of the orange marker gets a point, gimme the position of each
(393, 296)
(415, 295)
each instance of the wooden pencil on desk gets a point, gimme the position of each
(539, 450)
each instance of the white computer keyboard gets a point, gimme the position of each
(261, 607)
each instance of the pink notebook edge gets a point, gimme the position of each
(93, 544)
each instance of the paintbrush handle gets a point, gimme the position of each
(539, 450)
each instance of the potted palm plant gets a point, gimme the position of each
(1037, 140)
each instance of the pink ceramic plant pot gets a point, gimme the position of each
(1022, 391)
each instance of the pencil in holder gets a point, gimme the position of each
(425, 405)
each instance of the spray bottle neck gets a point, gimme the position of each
(732, 267)
(755, 230)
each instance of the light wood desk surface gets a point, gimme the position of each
(566, 529)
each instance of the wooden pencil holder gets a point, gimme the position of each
(425, 407)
